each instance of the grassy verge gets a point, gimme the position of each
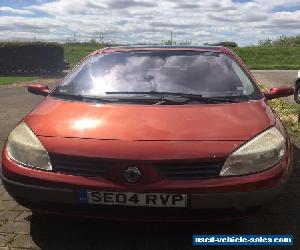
(263, 57)
(4, 80)
(288, 114)
(76, 52)
(270, 57)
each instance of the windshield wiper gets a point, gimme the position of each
(119, 99)
(153, 93)
(188, 96)
(83, 98)
(157, 98)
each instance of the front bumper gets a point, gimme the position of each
(219, 198)
(201, 207)
(236, 200)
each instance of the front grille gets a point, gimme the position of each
(84, 166)
(190, 171)
(97, 167)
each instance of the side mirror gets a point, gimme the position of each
(38, 89)
(278, 92)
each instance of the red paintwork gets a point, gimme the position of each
(151, 181)
(58, 118)
(38, 89)
(277, 92)
(148, 134)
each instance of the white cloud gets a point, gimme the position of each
(9, 10)
(132, 21)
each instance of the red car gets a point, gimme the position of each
(150, 133)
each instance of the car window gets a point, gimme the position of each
(204, 73)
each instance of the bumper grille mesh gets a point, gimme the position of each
(190, 171)
(84, 166)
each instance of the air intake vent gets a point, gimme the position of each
(190, 171)
(84, 166)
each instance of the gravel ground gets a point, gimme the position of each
(276, 78)
(20, 230)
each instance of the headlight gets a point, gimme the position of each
(262, 152)
(25, 148)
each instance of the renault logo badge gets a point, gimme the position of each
(132, 174)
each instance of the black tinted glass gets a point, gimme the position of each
(206, 73)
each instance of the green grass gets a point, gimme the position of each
(4, 80)
(270, 57)
(74, 53)
(288, 114)
(265, 57)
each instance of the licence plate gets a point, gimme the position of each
(133, 199)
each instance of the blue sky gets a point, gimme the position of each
(21, 3)
(133, 21)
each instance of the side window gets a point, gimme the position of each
(247, 87)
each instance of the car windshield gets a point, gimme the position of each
(207, 74)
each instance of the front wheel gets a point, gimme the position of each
(297, 93)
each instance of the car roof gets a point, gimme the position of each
(207, 48)
(165, 47)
